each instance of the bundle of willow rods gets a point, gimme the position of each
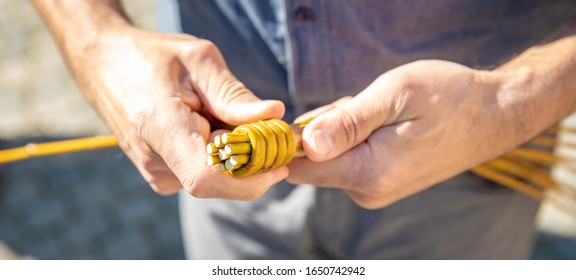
(265, 145)
(530, 168)
(255, 147)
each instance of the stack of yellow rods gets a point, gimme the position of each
(229, 150)
(255, 147)
(528, 169)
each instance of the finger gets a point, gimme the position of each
(162, 182)
(351, 170)
(156, 173)
(182, 145)
(152, 167)
(192, 100)
(345, 126)
(177, 135)
(187, 94)
(370, 202)
(224, 96)
(382, 198)
(368, 187)
(310, 115)
(213, 183)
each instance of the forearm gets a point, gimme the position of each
(76, 25)
(539, 85)
(80, 29)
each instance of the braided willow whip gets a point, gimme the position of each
(256, 147)
(266, 145)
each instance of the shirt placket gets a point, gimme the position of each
(310, 69)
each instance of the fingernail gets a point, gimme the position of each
(322, 143)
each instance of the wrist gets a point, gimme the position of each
(528, 101)
(539, 85)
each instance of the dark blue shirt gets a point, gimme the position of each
(309, 53)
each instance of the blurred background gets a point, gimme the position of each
(95, 205)
(88, 205)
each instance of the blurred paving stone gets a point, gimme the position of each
(50, 212)
(135, 210)
(77, 205)
(128, 246)
(554, 247)
(87, 205)
(89, 227)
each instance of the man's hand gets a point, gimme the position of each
(150, 87)
(414, 126)
(154, 91)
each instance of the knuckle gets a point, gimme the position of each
(252, 193)
(404, 84)
(399, 81)
(203, 50)
(150, 163)
(159, 185)
(350, 127)
(373, 183)
(356, 126)
(294, 179)
(164, 191)
(378, 184)
(139, 122)
(375, 189)
(367, 202)
(197, 187)
(207, 46)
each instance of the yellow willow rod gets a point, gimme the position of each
(57, 147)
(534, 175)
(68, 146)
(508, 181)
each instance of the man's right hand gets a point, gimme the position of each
(149, 88)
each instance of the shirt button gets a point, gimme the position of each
(304, 14)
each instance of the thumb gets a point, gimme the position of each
(236, 105)
(223, 95)
(333, 133)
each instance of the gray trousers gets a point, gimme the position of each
(462, 218)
